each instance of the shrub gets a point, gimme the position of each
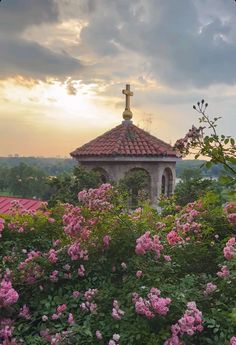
(93, 273)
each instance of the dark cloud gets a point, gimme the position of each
(170, 36)
(21, 57)
(16, 15)
(179, 43)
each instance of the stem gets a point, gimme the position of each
(222, 160)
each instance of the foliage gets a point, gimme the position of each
(66, 187)
(95, 273)
(136, 184)
(24, 180)
(51, 166)
(4, 171)
(198, 164)
(91, 271)
(192, 186)
(58, 166)
(220, 149)
(30, 181)
(60, 172)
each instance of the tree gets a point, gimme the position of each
(65, 187)
(190, 173)
(220, 149)
(4, 173)
(137, 186)
(193, 186)
(27, 181)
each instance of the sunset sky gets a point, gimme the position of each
(64, 63)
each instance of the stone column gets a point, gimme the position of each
(174, 178)
(159, 181)
(154, 188)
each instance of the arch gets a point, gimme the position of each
(137, 182)
(167, 182)
(163, 184)
(102, 173)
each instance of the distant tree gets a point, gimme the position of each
(193, 186)
(51, 166)
(27, 181)
(4, 173)
(65, 187)
(214, 171)
(190, 173)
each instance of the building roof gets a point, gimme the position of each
(28, 204)
(126, 140)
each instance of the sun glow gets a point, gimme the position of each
(54, 116)
(68, 103)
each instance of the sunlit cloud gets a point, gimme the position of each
(60, 36)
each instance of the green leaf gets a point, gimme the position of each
(88, 332)
(208, 165)
(226, 141)
(232, 160)
(226, 180)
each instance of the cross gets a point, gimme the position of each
(127, 94)
(127, 114)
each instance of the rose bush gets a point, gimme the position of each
(96, 273)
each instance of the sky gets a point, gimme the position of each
(64, 63)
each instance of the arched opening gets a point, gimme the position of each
(163, 184)
(167, 182)
(137, 184)
(102, 174)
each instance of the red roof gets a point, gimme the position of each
(125, 140)
(28, 204)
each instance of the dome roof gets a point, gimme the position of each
(126, 140)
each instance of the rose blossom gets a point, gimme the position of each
(167, 258)
(70, 319)
(98, 335)
(112, 342)
(106, 241)
(139, 274)
(123, 265)
(61, 308)
(233, 341)
(116, 337)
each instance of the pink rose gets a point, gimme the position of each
(139, 274)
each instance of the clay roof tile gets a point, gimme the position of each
(125, 140)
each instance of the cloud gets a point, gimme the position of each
(71, 88)
(185, 43)
(27, 58)
(21, 57)
(16, 15)
(178, 47)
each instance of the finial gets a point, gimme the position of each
(127, 113)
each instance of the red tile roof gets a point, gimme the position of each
(125, 140)
(28, 204)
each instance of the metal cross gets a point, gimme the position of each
(127, 94)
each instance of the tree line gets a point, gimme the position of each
(51, 166)
(55, 179)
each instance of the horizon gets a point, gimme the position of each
(73, 159)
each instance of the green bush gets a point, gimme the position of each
(76, 270)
